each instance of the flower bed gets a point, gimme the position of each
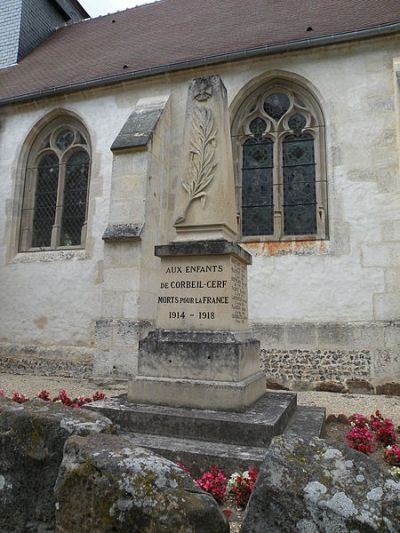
(370, 435)
(62, 397)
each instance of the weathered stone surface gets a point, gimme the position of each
(139, 128)
(209, 247)
(311, 487)
(359, 386)
(390, 389)
(330, 386)
(32, 437)
(205, 205)
(119, 487)
(221, 355)
(123, 232)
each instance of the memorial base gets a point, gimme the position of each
(205, 370)
(198, 394)
(202, 354)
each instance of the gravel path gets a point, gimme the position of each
(333, 402)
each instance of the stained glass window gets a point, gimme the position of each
(299, 199)
(45, 200)
(75, 191)
(283, 191)
(257, 188)
(55, 200)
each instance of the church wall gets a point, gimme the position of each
(324, 310)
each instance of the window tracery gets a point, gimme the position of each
(279, 144)
(54, 208)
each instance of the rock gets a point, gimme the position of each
(340, 419)
(118, 487)
(359, 386)
(274, 385)
(32, 437)
(310, 487)
(330, 386)
(389, 389)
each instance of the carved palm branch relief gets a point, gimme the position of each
(202, 159)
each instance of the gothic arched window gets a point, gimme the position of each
(54, 209)
(279, 143)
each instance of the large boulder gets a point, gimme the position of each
(310, 487)
(107, 484)
(32, 438)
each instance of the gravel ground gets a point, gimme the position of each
(333, 402)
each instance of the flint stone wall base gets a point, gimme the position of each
(336, 357)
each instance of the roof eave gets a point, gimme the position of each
(384, 29)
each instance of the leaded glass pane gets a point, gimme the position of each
(299, 191)
(297, 122)
(300, 220)
(257, 188)
(257, 154)
(45, 200)
(65, 139)
(75, 194)
(298, 150)
(257, 220)
(258, 126)
(276, 105)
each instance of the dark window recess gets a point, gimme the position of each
(65, 139)
(45, 200)
(276, 105)
(299, 194)
(258, 126)
(297, 122)
(257, 188)
(75, 193)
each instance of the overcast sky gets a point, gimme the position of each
(102, 7)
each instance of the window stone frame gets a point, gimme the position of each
(36, 151)
(316, 126)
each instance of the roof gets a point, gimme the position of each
(66, 5)
(176, 34)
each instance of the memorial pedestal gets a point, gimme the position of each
(201, 355)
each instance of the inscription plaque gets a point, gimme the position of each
(202, 293)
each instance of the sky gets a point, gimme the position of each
(103, 7)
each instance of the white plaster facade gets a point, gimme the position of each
(51, 301)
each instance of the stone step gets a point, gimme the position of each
(198, 455)
(267, 418)
(306, 422)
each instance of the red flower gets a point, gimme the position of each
(44, 395)
(361, 439)
(214, 482)
(99, 396)
(392, 455)
(19, 398)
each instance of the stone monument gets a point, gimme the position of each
(202, 354)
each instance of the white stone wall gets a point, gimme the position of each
(53, 298)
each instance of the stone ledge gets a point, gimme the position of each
(123, 232)
(207, 247)
(198, 394)
(138, 129)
